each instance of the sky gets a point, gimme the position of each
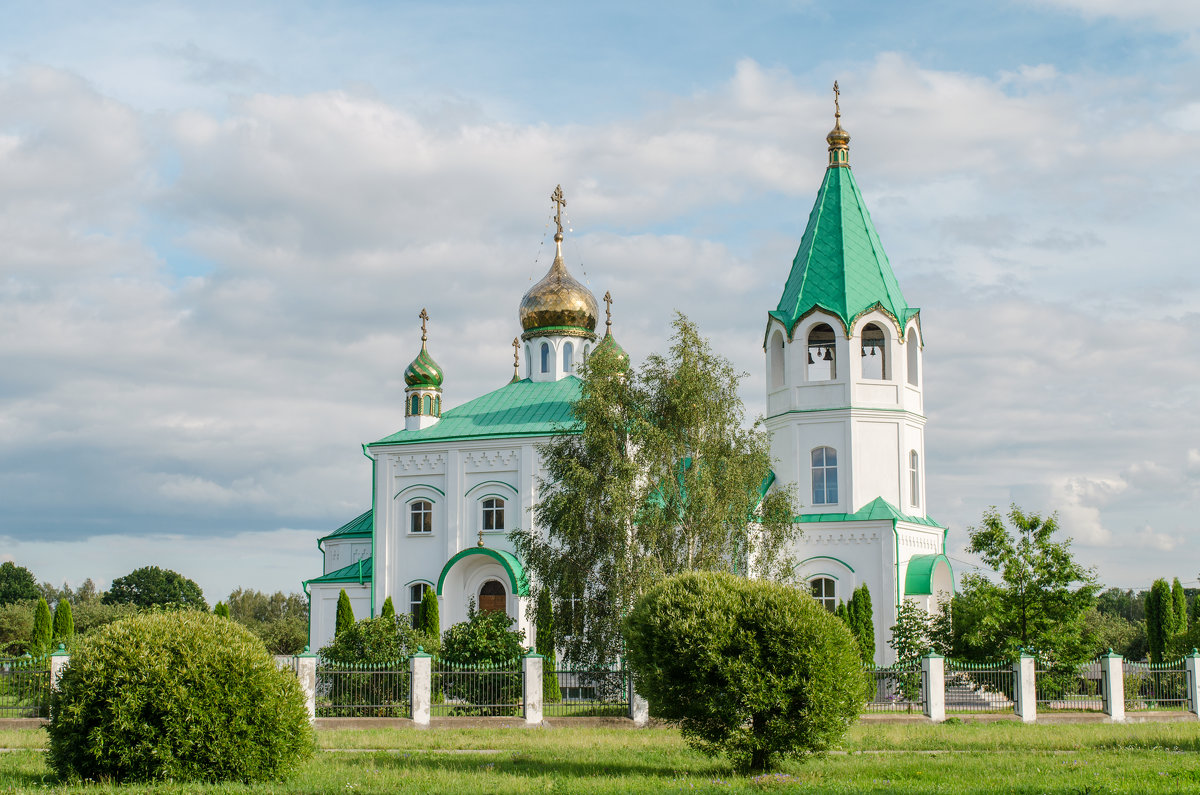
(219, 221)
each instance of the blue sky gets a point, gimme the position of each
(218, 222)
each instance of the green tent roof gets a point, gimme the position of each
(841, 266)
(521, 408)
(878, 508)
(361, 525)
(359, 572)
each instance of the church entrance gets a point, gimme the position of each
(492, 597)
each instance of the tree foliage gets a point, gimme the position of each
(1160, 620)
(389, 609)
(1178, 608)
(17, 584)
(374, 641)
(751, 668)
(280, 620)
(1042, 596)
(64, 622)
(485, 638)
(151, 586)
(221, 610)
(178, 696)
(656, 475)
(911, 639)
(43, 629)
(345, 614)
(544, 634)
(430, 623)
(861, 620)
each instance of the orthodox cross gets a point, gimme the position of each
(557, 198)
(424, 318)
(837, 111)
(481, 536)
(608, 312)
(516, 348)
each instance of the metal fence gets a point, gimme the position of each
(1079, 689)
(1156, 686)
(895, 690)
(569, 692)
(24, 687)
(477, 690)
(979, 687)
(363, 691)
(288, 662)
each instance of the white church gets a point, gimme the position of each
(843, 357)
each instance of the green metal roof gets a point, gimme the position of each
(359, 572)
(521, 408)
(878, 508)
(361, 525)
(516, 572)
(918, 579)
(841, 266)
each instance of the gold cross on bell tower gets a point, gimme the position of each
(557, 198)
(608, 312)
(424, 319)
(516, 348)
(837, 111)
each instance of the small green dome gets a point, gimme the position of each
(609, 343)
(423, 371)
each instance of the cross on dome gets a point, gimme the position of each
(560, 202)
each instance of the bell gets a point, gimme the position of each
(872, 351)
(829, 354)
(864, 350)
(810, 359)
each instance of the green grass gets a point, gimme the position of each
(996, 757)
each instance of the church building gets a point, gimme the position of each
(844, 412)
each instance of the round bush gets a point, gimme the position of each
(754, 669)
(184, 696)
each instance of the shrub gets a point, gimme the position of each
(43, 629)
(64, 622)
(221, 610)
(751, 668)
(374, 641)
(16, 628)
(183, 696)
(431, 621)
(345, 614)
(483, 642)
(389, 609)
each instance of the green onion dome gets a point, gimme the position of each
(609, 343)
(423, 371)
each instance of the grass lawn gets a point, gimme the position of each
(998, 757)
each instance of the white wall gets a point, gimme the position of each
(323, 609)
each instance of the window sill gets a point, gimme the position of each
(411, 534)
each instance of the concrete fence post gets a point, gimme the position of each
(933, 670)
(420, 696)
(1025, 681)
(1112, 678)
(58, 662)
(531, 665)
(639, 708)
(1192, 663)
(306, 672)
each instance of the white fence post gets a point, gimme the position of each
(933, 666)
(639, 708)
(531, 665)
(420, 667)
(1192, 663)
(306, 672)
(58, 662)
(1112, 675)
(1025, 679)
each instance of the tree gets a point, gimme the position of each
(345, 614)
(151, 586)
(430, 624)
(1042, 596)
(544, 627)
(751, 668)
(373, 641)
(911, 641)
(43, 629)
(862, 623)
(388, 610)
(1178, 608)
(17, 584)
(221, 610)
(656, 475)
(280, 620)
(64, 623)
(1193, 610)
(1160, 620)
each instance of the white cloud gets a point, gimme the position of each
(1179, 16)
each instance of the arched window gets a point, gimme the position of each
(545, 357)
(824, 476)
(776, 360)
(586, 350)
(416, 595)
(421, 515)
(874, 353)
(493, 597)
(437, 407)
(824, 590)
(493, 513)
(428, 405)
(914, 478)
(568, 355)
(914, 357)
(822, 366)
(415, 408)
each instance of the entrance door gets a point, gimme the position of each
(492, 597)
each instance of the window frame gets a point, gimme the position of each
(486, 510)
(414, 607)
(545, 357)
(914, 478)
(826, 471)
(827, 600)
(413, 512)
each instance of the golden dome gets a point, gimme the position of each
(559, 302)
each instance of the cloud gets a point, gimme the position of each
(1168, 15)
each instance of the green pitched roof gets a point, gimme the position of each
(521, 408)
(359, 572)
(841, 266)
(878, 508)
(361, 525)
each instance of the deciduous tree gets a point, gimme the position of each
(151, 586)
(17, 584)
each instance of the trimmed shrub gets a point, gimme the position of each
(431, 622)
(484, 642)
(345, 614)
(182, 696)
(862, 623)
(373, 641)
(389, 609)
(64, 622)
(43, 629)
(754, 669)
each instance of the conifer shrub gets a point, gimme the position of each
(180, 696)
(751, 668)
(345, 614)
(431, 621)
(43, 629)
(221, 610)
(389, 609)
(64, 622)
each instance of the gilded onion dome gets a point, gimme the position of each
(558, 301)
(424, 371)
(838, 139)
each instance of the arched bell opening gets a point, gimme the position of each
(822, 353)
(874, 353)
